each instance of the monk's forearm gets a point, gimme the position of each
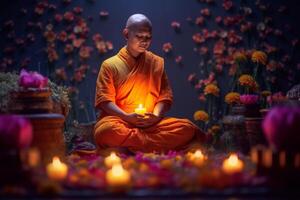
(161, 108)
(112, 109)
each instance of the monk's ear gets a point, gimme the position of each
(125, 33)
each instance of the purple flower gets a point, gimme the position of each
(282, 128)
(249, 99)
(15, 132)
(32, 80)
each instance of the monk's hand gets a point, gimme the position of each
(149, 120)
(133, 118)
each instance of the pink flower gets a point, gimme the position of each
(227, 4)
(249, 99)
(32, 80)
(15, 132)
(104, 14)
(167, 47)
(281, 128)
(176, 25)
(178, 59)
(77, 10)
(199, 21)
(205, 12)
(218, 19)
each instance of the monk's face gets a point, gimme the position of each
(138, 39)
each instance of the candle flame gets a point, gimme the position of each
(117, 169)
(198, 154)
(56, 161)
(233, 159)
(140, 105)
(113, 155)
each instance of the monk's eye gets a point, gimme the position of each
(141, 37)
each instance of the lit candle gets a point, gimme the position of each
(57, 170)
(112, 160)
(117, 176)
(140, 110)
(197, 158)
(233, 164)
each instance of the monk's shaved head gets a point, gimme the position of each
(138, 20)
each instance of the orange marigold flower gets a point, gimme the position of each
(201, 115)
(246, 80)
(215, 128)
(265, 93)
(239, 58)
(259, 57)
(211, 89)
(232, 97)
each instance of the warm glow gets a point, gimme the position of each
(233, 164)
(57, 170)
(140, 110)
(112, 160)
(196, 158)
(199, 154)
(117, 176)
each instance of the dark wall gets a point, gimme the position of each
(161, 13)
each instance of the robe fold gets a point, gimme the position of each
(128, 82)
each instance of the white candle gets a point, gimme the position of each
(117, 176)
(233, 164)
(140, 110)
(57, 170)
(112, 160)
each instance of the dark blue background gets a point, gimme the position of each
(161, 13)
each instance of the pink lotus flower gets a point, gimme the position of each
(281, 128)
(32, 80)
(249, 99)
(167, 47)
(15, 132)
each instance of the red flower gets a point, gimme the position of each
(218, 19)
(199, 21)
(203, 50)
(198, 38)
(227, 4)
(50, 36)
(85, 52)
(78, 42)
(61, 74)
(246, 27)
(69, 16)
(219, 47)
(202, 97)
(40, 8)
(101, 47)
(77, 10)
(62, 36)
(97, 37)
(192, 77)
(205, 12)
(167, 47)
(68, 48)
(58, 17)
(219, 68)
(109, 45)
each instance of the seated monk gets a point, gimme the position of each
(132, 77)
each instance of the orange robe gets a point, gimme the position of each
(128, 82)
